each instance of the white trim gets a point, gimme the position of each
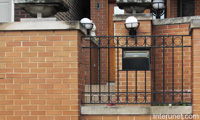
(7, 11)
(12, 11)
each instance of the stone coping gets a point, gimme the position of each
(148, 16)
(195, 23)
(172, 21)
(139, 16)
(135, 110)
(43, 25)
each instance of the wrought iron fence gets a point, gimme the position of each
(167, 81)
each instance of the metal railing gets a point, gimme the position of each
(168, 81)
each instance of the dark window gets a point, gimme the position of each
(185, 8)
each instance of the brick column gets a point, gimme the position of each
(120, 30)
(41, 77)
(196, 66)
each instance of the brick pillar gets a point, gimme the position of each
(41, 77)
(196, 70)
(120, 30)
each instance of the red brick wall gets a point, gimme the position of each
(99, 16)
(41, 75)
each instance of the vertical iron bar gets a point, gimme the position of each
(90, 70)
(173, 69)
(126, 41)
(145, 98)
(154, 57)
(108, 70)
(127, 86)
(182, 69)
(117, 69)
(135, 41)
(163, 69)
(136, 86)
(99, 52)
(126, 75)
(145, 86)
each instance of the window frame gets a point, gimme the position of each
(180, 9)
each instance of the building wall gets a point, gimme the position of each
(99, 16)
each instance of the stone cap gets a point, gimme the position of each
(195, 23)
(43, 25)
(139, 16)
(172, 21)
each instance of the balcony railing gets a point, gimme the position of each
(166, 81)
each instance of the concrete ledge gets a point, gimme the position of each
(135, 110)
(139, 16)
(172, 21)
(43, 25)
(195, 23)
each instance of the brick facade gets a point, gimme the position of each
(99, 16)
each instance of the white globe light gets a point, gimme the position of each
(158, 4)
(87, 23)
(131, 22)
